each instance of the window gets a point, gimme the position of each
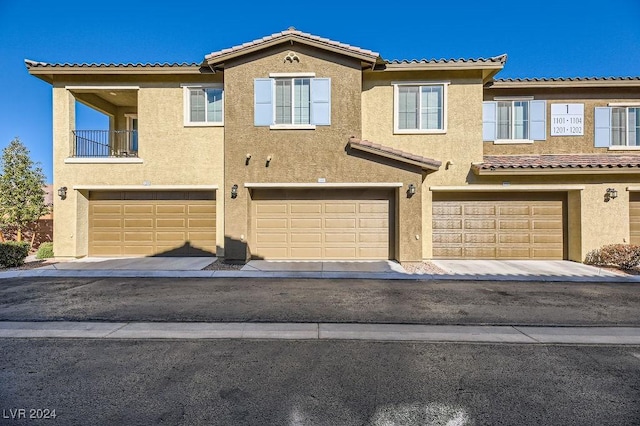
(514, 121)
(617, 127)
(292, 102)
(625, 126)
(420, 108)
(203, 105)
(293, 106)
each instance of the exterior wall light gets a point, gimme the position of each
(234, 191)
(412, 190)
(62, 192)
(610, 194)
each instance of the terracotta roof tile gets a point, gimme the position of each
(34, 64)
(558, 79)
(560, 161)
(500, 59)
(285, 34)
(428, 163)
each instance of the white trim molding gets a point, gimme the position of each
(292, 127)
(146, 187)
(507, 188)
(103, 160)
(186, 87)
(324, 185)
(94, 87)
(512, 141)
(291, 74)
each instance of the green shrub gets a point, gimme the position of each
(45, 251)
(13, 253)
(625, 256)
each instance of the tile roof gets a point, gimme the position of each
(499, 59)
(558, 161)
(35, 64)
(287, 34)
(428, 163)
(563, 79)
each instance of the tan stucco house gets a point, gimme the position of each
(294, 146)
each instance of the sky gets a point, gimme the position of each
(543, 38)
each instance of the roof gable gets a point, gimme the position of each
(292, 35)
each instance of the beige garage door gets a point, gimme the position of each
(144, 223)
(490, 226)
(321, 224)
(634, 217)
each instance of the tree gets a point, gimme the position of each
(21, 188)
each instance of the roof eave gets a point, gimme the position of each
(444, 66)
(370, 150)
(562, 84)
(541, 171)
(218, 59)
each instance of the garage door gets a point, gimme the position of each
(144, 223)
(634, 217)
(321, 224)
(492, 226)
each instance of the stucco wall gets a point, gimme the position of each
(303, 156)
(172, 154)
(591, 98)
(460, 145)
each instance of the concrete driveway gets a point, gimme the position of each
(135, 264)
(521, 268)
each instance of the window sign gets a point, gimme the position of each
(567, 119)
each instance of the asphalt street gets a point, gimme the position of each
(318, 383)
(326, 300)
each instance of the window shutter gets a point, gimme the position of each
(321, 101)
(538, 120)
(489, 123)
(602, 135)
(263, 101)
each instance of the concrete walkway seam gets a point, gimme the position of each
(324, 331)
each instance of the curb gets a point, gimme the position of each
(69, 273)
(324, 331)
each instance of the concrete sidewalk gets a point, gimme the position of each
(324, 331)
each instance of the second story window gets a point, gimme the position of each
(420, 108)
(292, 101)
(514, 120)
(617, 127)
(204, 105)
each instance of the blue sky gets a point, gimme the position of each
(544, 38)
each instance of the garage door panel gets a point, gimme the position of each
(514, 238)
(480, 238)
(146, 223)
(312, 209)
(447, 224)
(98, 223)
(166, 209)
(297, 223)
(513, 224)
(480, 224)
(142, 237)
(138, 223)
(306, 237)
(479, 210)
(305, 253)
(144, 209)
(502, 226)
(106, 209)
(323, 224)
(340, 223)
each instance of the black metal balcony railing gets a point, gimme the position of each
(105, 143)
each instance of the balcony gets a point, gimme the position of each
(104, 143)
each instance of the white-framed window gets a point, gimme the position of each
(420, 107)
(513, 120)
(516, 120)
(625, 126)
(292, 104)
(204, 105)
(617, 126)
(292, 101)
